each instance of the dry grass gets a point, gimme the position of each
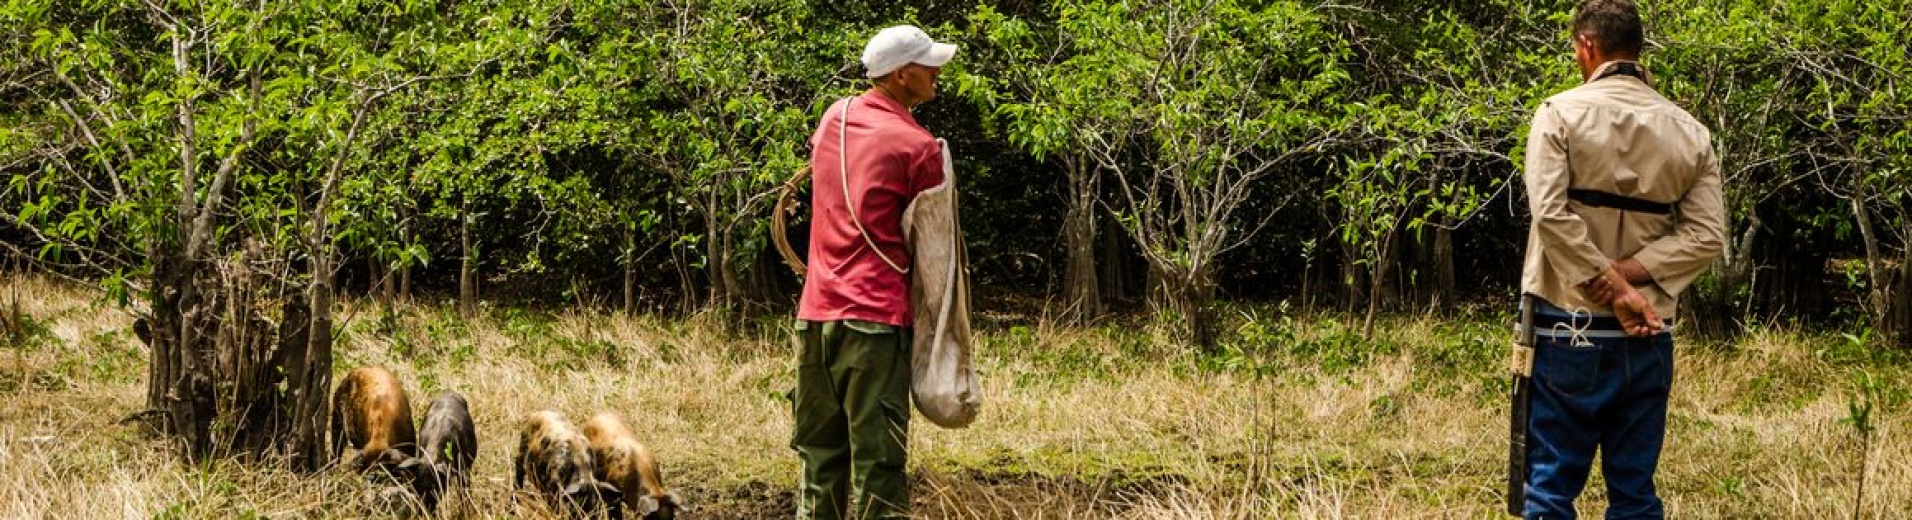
(1295, 420)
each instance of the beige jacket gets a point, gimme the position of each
(1617, 136)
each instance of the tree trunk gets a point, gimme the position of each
(296, 361)
(1307, 287)
(167, 326)
(162, 334)
(765, 284)
(308, 448)
(1710, 308)
(1115, 276)
(630, 273)
(1188, 296)
(1080, 287)
(1352, 280)
(686, 275)
(1878, 294)
(1376, 278)
(377, 280)
(1445, 287)
(1438, 255)
(467, 264)
(387, 284)
(1155, 287)
(1900, 316)
(717, 262)
(184, 330)
(405, 239)
(188, 394)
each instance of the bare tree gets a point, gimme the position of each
(1196, 117)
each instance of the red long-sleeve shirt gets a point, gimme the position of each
(891, 159)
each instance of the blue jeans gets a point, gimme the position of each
(1597, 394)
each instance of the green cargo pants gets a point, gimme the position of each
(852, 408)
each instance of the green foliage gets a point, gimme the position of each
(1225, 140)
(113, 357)
(746, 81)
(526, 326)
(1185, 105)
(1859, 349)
(1871, 397)
(21, 331)
(1326, 346)
(1252, 346)
(1342, 348)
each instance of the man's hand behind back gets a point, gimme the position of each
(1635, 314)
(1612, 289)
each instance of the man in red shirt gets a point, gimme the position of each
(852, 404)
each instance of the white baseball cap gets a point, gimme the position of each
(894, 47)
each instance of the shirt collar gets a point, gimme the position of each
(1646, 76)
(886, 104)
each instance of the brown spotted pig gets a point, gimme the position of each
(627, 464)
(553, 455)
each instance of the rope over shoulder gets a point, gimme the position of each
(786, 206)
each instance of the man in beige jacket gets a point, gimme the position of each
(1625, 197)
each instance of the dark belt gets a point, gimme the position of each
(1616, 201)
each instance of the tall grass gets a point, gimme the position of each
(1290, 418)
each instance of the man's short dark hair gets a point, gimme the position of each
(1613, 25)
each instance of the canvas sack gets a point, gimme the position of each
(943, 381)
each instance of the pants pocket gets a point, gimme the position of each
(1567, 368)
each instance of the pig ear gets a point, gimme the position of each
(410, 465)
(609, 492)
(645, 506)
(396, 460)
(369, 460)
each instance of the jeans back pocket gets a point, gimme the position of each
(1567, 366)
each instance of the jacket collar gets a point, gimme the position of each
(1601, 72)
